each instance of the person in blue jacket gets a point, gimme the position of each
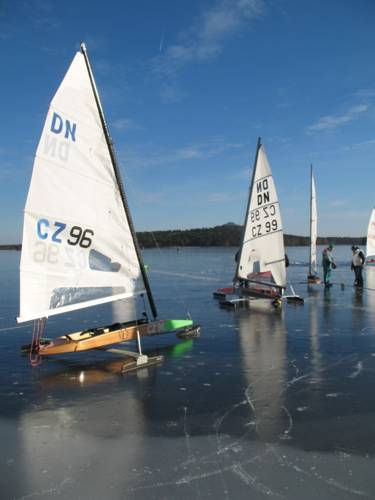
(328, 264)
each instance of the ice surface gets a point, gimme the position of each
(265, 404)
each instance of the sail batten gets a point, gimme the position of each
(78, 249)
(262, 249)
(75, 307)
(104, 182)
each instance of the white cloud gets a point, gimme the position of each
(203, 150)
(205, 38)
(243, 174)
(356, 215)
(332, 122)
(124, 124)
(152, 198)
(360, 145)
(364, 93)
(46, 23)
(337, 203)
(170, 93)
(219, 198)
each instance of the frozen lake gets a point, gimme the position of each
(265, 404)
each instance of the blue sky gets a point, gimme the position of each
(187, 87)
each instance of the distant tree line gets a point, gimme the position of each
(227, 235)
(10, 247)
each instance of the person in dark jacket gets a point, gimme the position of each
(286, 261)
(358, 261)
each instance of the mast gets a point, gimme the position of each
(119, 182)
(259, 143)
(311, 174)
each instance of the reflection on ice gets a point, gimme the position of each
(264, 404)
(316, 360)
(263, 357)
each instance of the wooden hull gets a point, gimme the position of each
(313, 280)
(254, 291)
(259, 292)
(101, 337)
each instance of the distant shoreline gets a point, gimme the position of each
(227, 235)
(11, 247)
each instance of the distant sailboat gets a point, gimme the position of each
(312, 277)
(370, 245)
(260, 270)
(79, 244)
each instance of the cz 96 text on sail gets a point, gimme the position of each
(77, 235)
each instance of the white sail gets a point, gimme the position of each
(370, 246)
(77, 247)
(262, 251)
(313, 227)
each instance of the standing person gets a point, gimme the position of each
(358, 261)
(286, 261)
(328, 264)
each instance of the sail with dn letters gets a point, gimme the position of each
(79, 245)
(262, 257)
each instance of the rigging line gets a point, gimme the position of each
(178, 293)
(185, 275)
(274, 261)
(131, 189)
(11, 328)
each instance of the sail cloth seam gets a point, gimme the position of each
(266, 205)
(261, 236)
(81, 174)
(98, 272)
(80, 305)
